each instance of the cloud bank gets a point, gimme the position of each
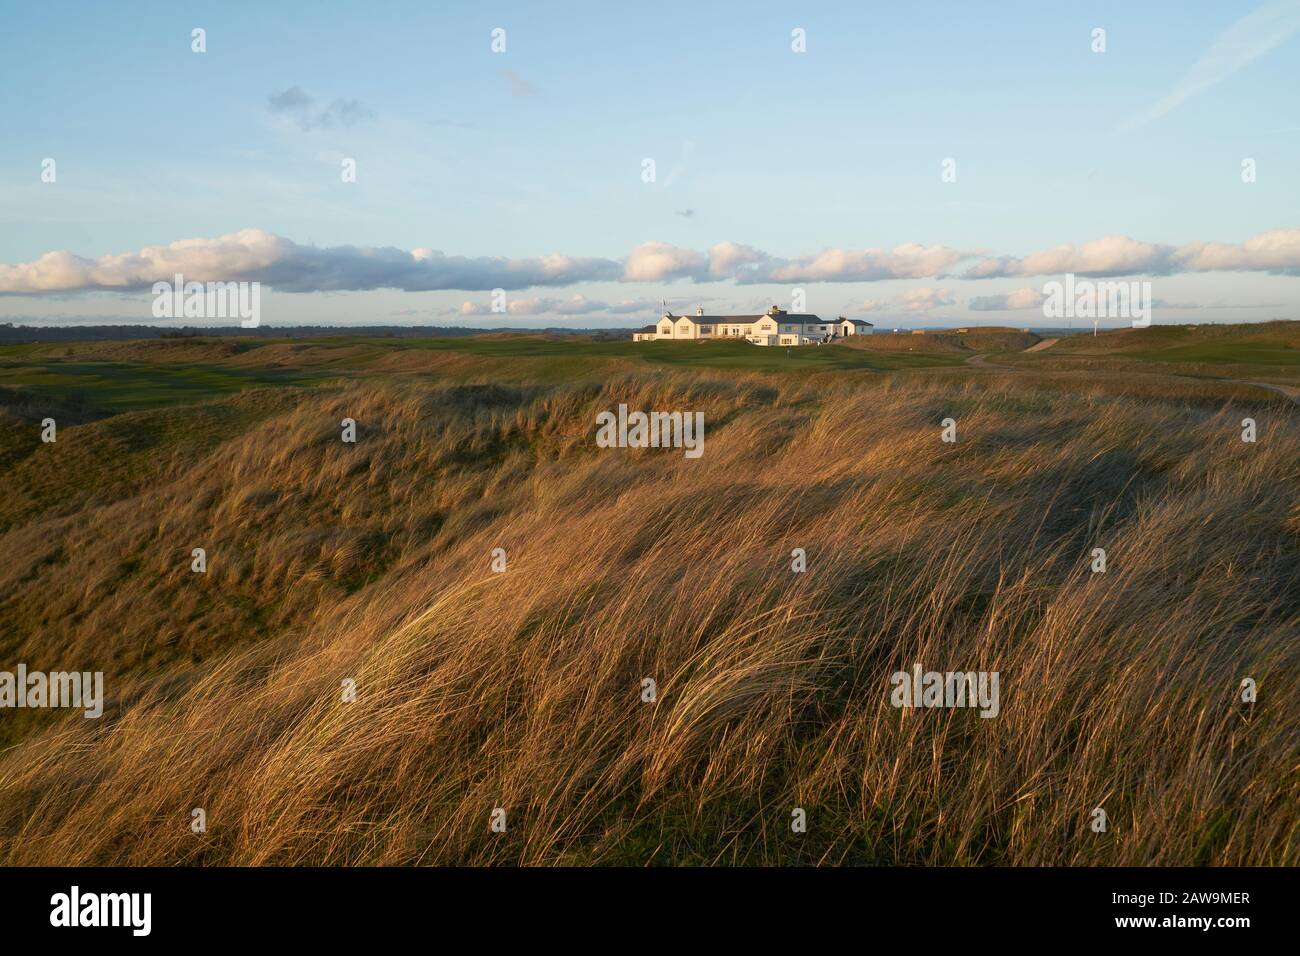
(256, 256)
(286, 266)
(1019, 299)
(1277, 251)
(540, 305)
(924, 299)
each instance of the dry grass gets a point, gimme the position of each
(522, 690)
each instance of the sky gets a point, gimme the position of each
(913, 165)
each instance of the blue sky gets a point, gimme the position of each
(508, 158)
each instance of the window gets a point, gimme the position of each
(668, 330)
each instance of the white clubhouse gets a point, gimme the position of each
(776, 327)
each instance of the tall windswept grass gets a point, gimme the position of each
(522, 690)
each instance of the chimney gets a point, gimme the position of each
(700, 310)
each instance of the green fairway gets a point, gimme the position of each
(720, 354)
(120, 386)
(741, 355)
(1274, 343)
(1225, 353)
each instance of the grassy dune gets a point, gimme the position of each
(939, 343)
(1267, 351)
(522, 690)
(1215, 341)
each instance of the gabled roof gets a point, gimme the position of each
(858, 322)
(802, 318)
(784, 318)
(648, 328)
(720, 319)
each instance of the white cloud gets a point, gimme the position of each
(727, 258)
(1276, 251)
(924, 298)
(908, 261)
(1111, 255)
(662, 262)
(535, 305)
(629, 306)
(1019, 299)
(254, 255)
(580, 305)
(286, 266)
(577, 305)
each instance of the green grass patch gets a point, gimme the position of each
(1225, 353)
(130, 386)
(719, 354)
